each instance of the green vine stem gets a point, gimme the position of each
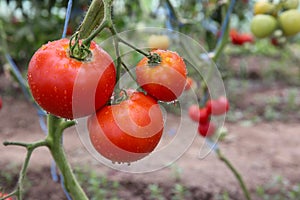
(235, 172)
(30, 148)
(54, 139)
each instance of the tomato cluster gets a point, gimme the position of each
(123, 126)
(276, 21)
(202, 115)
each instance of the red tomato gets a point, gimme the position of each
(189, 83)
(4, 195)
(194, 112)
(128, 131)
(69, 88)
(217, 107)
(0, 103)
(240, 38)
(164, 81)
(204, 116)
(206, 129)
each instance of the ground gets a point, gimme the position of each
(259, 149)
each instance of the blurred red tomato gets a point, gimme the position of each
(240, 38)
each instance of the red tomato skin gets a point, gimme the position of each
(69, 88)
(4, 195)
(206, 129)
(217, 107)
(194, 112)
(128, 131)
(1, 103)
(204, 116)
(165, 81)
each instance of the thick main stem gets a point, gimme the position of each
(56, 128)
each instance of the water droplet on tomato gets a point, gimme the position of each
(55, 89)
(65, 91)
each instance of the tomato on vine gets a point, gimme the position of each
(206, 129)
(290, 22)
(67, 87)
(162, 75)
(217, 106)
(263, 25)
(127, 131)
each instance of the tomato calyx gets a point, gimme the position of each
(154, 59)
(78, 50)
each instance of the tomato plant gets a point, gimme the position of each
(128, 131)
(61, 84)
(164, 78)
(263, 25)
(290, 22)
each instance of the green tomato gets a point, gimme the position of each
(290, 22)
(263, 25)
(291, 4)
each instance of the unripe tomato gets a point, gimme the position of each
(206, 129)
(290, 22)
(291, 4)
(66, 87)
(159, 42)
(0, 103)
(263, 7)
(165, 80)
(263, 25)
(128, 131)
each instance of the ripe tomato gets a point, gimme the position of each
(194, 112)
(263, 25)
(69, 88)
(204, 116)
(159, 42)
(190, 83)
(290, 22)
(164, 81)
(206, 129)
(217, 107)
(264, 7)
(0, 103)
(4, 195)
(240, 38)
(128, 131)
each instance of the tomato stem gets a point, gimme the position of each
(30, 148)
(235, 172)
(56, 126)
